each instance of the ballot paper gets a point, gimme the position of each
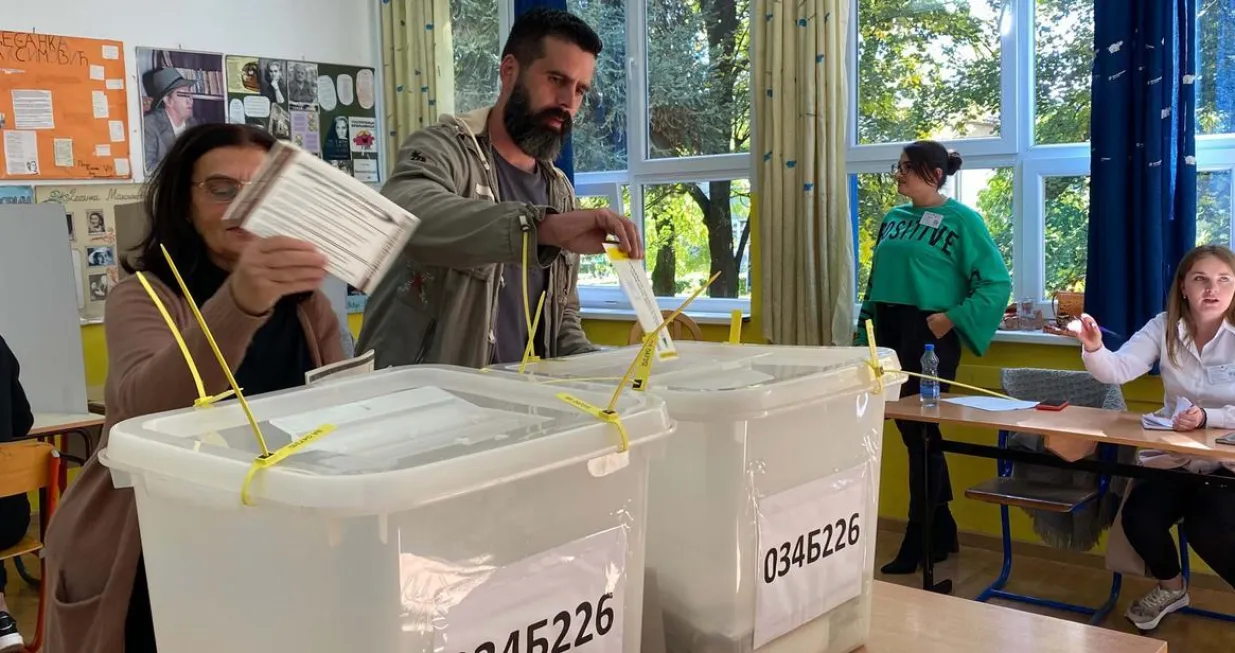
(1159, 421)
(358, 366)
(298, 195)
(994, 404)
(637, 286)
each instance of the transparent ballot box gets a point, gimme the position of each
(447, 511)
(762, 513)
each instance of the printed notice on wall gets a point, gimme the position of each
(575, 593)
(298, 195)
(633, 278)
(812, 551)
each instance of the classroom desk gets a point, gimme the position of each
(905, 619)
(83, 425)
(1073, 422)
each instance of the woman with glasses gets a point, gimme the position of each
(261, 301)
(938, 279)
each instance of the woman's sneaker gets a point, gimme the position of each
(1148, 612)
(10, 639)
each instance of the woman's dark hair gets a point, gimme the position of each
(169, 200)
(925, 157)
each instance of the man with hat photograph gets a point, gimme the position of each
(170, 113)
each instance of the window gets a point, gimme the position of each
(1215, 107)
(928, 69)
(1214, 207)
(475, 33)
(1066, 208)
(952, 70)
(664, 134)
(596, 270)
(599, 135)
(1063, 43)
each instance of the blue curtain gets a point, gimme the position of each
(1142, 212)
(565, 160)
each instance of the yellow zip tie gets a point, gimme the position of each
(527, 309)
(529, 353)
(651, 337)
(735, 327)
(608, 416)
(231, 379)
(184, 349)
(880, 372)
(272, 459)
(644, 368)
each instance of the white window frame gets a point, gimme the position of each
(642, 171)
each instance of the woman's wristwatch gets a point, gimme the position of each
(1204, 418)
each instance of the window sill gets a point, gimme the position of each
(1034, 338)
(626, 315)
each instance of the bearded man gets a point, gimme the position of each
(490, 199)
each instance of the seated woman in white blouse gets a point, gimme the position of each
(1194, 342)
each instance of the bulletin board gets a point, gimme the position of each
(63, 108)
(327, 109)
(90, 222)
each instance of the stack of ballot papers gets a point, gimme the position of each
(993, 404)
(1160, 421)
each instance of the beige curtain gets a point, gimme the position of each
(807, 252)
(417, 67)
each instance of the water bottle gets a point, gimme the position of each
(930, 387)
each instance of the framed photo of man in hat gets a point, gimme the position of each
(179, 89)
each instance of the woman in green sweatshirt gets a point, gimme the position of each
(936, 278)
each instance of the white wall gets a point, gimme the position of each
(325, 31)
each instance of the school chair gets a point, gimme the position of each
(1058, 498)
(26, 466)
(682, 328)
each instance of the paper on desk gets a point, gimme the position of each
(358, 366)
(991, 403)
(298, 195)
(1161, 422)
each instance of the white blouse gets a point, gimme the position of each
(1207, 379)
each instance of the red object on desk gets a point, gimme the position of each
(1056, 407)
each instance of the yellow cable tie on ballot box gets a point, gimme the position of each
(877, 368)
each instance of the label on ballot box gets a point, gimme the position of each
(568, 599)
(812, 545)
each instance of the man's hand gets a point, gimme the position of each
(939, 324)
(585, 232)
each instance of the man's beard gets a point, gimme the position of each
(529, 130)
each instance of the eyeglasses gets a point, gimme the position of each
(222, 189)
(899, 168)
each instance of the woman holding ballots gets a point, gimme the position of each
(260, 299)
(937, 280)
(1194, 344)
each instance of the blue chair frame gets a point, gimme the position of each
(996, 589)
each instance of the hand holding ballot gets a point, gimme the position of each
(585, 232)
(295, 194)
(272, 268)
(1086, 330)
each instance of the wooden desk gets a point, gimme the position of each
(904, 619)
(1073, 422)
(48, 424)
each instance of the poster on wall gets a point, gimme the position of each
(90, 221)
(16, 195)
(356, 300)
(178, 89)
(63, 109)
(327, 109)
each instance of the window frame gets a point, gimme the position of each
(643, 171)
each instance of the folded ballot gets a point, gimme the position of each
(298, 195)
(1160, 421)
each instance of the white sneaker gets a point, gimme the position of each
(10, 639)
(1148, 612)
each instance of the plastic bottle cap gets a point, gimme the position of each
(930, 348)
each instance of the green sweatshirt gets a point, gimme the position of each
(940, 259)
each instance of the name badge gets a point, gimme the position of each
(1220, 374)
(932, 220)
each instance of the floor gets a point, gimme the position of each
(970, 572)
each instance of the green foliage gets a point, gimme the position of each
(477, 52)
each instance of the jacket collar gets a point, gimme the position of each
(475, 126)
